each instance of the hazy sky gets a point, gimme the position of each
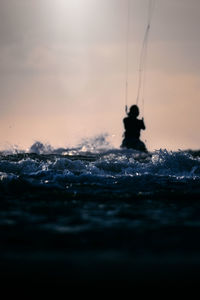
(62, 71)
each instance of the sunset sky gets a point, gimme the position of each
(62, 71)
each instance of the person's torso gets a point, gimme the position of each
(132, 127)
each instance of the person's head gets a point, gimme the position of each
(134, 111)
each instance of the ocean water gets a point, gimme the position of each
(94, 213)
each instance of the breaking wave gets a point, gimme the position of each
(95, 169)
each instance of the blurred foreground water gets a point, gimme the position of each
(92, 214)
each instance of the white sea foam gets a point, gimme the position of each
(99, 167)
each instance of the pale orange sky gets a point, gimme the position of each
(62, 70)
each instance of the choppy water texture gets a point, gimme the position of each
(96, 213)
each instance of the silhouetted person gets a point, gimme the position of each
(132, 127)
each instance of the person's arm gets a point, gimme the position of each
(125, 123)
(142, 124)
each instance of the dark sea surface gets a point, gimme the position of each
(96, 216)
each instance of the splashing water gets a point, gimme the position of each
(94, 168)
(100, 204)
